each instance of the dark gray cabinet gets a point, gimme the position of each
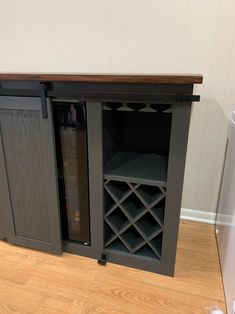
(28, 186)
(98, 169)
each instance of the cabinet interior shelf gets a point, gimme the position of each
(137, 168)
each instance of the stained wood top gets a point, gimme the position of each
(106, 78)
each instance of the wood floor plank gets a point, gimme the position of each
(40, 283)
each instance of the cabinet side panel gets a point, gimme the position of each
(24, 160)
(175, 179)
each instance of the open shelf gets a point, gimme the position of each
(136, 139)
(138, 168)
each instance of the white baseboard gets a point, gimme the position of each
(197, 215)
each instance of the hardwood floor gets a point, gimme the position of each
(34, 282)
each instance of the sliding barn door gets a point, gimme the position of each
(31, 208)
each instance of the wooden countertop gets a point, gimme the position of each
(106, 78)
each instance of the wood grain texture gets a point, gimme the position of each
(107, 78)
(34, 282)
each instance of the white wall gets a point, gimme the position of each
(151, 36)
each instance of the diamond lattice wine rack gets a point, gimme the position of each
(134, 218)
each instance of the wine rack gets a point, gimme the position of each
(134, 218)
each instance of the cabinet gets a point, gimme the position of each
(94, 165)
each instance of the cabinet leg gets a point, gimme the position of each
(102, 260)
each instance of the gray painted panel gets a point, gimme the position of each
(137, 168)
(30, 162)
(50, 180)
(94, 130)
(175, 179)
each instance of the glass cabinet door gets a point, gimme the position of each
(72, 164)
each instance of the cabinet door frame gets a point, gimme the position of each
(51, 186)
(175, 177)
(95, 173)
